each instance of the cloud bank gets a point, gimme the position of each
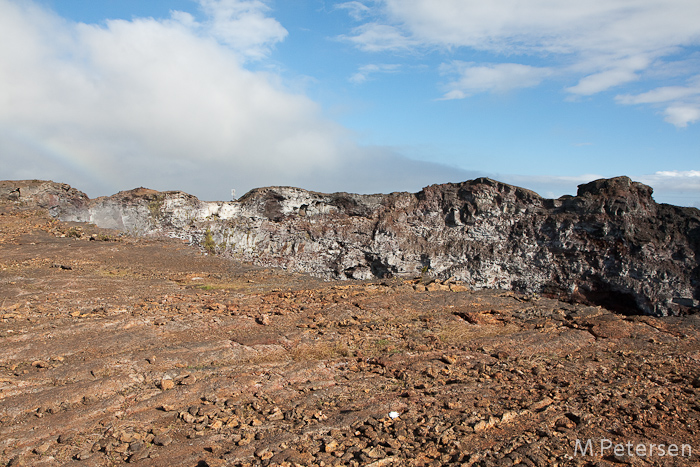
(170, 104)
(595, 46)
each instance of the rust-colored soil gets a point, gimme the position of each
(118, 350)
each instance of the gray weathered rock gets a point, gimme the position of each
(609, 245)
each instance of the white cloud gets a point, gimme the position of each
(374, 37)
(679, 187)
(681, 116)
(364, 72)
(153, 86)
(680, 174)
(682, 103)
(164, 104)
(598, 82)
(622, 27)
(499, 77)
(597, 44)
(659, 95)
(356, 10)
(243, 25)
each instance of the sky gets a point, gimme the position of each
(366, 96)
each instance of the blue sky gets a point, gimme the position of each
(362, 96)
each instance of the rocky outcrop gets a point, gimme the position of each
(57, 198)
(609, 245)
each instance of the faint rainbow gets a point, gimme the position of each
(65, 158)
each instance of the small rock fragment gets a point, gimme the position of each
(136, 446)
(65, 438)
(485, 424)
(166, 384)
(330, 446)
(449, 359)
(508, 416)
(162, 440)
(85, 454)
(542, 404)
(276, 415)
(564, 423)
(374, 453)
(382, 462)
(187, 417)
(41, 450)
(140, 454)
(189, 379)
(263, 454)
(263, 320)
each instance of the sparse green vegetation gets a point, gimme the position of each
(155, 206)
(74, 232)
(209, 243)
(105, 238)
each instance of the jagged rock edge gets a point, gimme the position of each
(610, 245)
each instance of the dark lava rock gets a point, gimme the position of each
(610, 245)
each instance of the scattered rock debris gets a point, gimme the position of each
(340, 373)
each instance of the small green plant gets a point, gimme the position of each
(382, 345)
(209, 243)
(103, 237)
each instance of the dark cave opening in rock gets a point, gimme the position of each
(605, 296)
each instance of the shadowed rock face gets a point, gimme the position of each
(610, 245)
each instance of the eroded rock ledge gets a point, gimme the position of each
(610, 245)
